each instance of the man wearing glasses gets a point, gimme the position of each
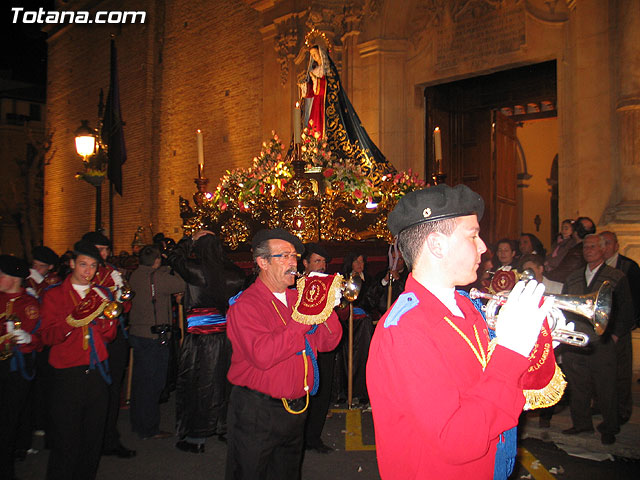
(272, 365)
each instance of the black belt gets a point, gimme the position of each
(295, 403)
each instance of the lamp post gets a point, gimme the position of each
(89, 147)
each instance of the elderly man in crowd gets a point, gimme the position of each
(271, 365)
(591, 371)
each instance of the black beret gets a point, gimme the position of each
(97, 238)
(277, 234)
(88, 248)
(311, 248)
(14, 266)
(434, 203)
(45, 255)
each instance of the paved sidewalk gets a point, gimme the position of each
(588, 444)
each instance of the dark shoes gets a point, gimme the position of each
(190, 447)
(320, 447)
(607, 438)
(120, 451)
(575, 431)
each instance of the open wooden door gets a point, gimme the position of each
(504, 211)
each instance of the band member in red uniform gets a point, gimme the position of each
(271, 365)
(108, 276)
(441, 398)
(74, 324)
(42, 274)
(19, 321)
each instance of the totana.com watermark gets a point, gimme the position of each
(20, 15)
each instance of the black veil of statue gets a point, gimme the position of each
(343, 129)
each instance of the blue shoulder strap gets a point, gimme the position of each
(405, 302)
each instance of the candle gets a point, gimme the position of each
(297, 123)
(200, 148)
(437, 142)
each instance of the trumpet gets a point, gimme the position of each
(596, 307)
(126, 293)
(349, 287)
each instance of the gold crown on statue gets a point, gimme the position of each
(314, 35)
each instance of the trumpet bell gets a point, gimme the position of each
(112, 310)
(351, 288)
(126, 293)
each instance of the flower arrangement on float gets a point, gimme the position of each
(269, 174)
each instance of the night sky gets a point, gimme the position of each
(24, 47)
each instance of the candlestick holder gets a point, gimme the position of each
(438, 178)
(201, 196)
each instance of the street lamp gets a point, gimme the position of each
(85, 140)
(89, 147)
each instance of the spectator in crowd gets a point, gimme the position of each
(624, 351)
(561, 246)
(271, 367)
(573, 259)
(591, 371)
(530, 244)
(505, 254)
(150, 322)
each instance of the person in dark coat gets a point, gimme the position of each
(624, 350)
(202, 389)
(573, 259)
(591, 370)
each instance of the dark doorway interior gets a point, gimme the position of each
(478, 118)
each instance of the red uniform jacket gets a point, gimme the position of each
(67, 342)
(50, 279)
(436, 413)
(104, 278)
(27, 309)
(267, 341)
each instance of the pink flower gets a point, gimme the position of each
(357, 193)
(328, 172)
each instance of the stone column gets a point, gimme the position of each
(627, 77)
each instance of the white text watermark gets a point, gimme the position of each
(20, 15)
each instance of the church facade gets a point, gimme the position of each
(230, 68)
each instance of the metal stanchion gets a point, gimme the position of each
(350, 359)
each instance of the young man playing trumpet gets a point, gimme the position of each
(109, 277)
(74, 324)
(442, 397)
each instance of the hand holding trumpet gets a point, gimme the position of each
(520, 319)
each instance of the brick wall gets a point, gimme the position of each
(193, 64)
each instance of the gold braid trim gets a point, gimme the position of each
(547, 396)
(328, 307)
(74, 322)
(306, 389)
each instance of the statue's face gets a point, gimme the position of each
(315, 54)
